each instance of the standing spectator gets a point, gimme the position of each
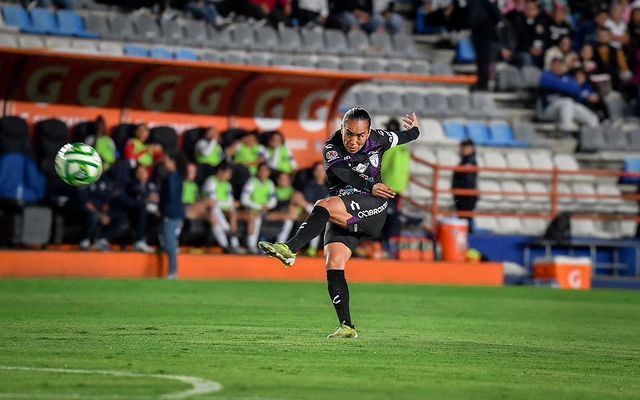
(279, 157)
(559, 27)
(258, 197)
(208, 149)
(249, 152)
(483, 17)
(136, 150)
(531, 28)
(171, 207)
(562, 98)
(225, 218)
(466, 180)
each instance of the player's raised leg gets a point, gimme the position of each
(336, 256)
(331, 210)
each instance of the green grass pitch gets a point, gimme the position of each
(266, 340)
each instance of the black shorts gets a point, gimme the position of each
(369, 214)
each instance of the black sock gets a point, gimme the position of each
(310, 228)
(339, 294)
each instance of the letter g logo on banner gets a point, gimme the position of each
(269, 108)
(96, 88)
(158, 95)
(44, 84)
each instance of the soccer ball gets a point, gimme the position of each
(78, 164)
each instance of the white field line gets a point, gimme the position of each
(199, 386)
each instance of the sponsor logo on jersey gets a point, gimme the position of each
(375, 160)
(361, 167)
(331, 155)
(372, 212)
(354, 206)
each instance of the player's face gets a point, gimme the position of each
(355, 133)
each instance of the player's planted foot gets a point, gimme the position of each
(280, 251)
(344, 332)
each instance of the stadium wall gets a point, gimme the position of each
(44, 264)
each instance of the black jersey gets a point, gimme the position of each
(357, 173)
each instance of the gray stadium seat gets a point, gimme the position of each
(8, 40)
(358, 41)
(633, 138)
(616, 106)
(266, 38)
(241, 36)
(211, 57)
(414, 101)
(493, 198)
(368, 100)
(325, 63)
(404, 45)
(441, 69)
(304, 62)
(98, 23)
(234, 58)
(459, 104)
(592, 138)
(195, 33)
(282, 61)
(350, 65)
(615, 138)
(349, 101)
(335, 41)
(420, 68)
(530, 76)
(396, 67)
(147, 28)
(508, 78)
(290, 40)
(391, 102)
(85, 46)
(57, 43)
(172, 30)
(526, 132)
(121, 27)
(313, 41)
(258, 59)
(380, 43)
(437, 105)
(516, 200)
(218, 39)
(30, 42)
(538, 202)
(373, 66)
(483, 105)
(110, 48)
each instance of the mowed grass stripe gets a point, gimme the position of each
(268, 339)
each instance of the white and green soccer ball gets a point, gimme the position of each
(78, 164)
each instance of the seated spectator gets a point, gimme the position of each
(587, 63)
(559, 26)
(284, 210)
(136, 150)
(438, 14)
(275, 11)
(205, 10)
(103, 143)
(617, 26)
(314, 12)
(140, 199)
(279, 157)
(258, 197)
(562, 50)
(391, 20)
(562, 98)
(611, 60)
(195, 206)
(208, 149)
(225, 218)
(358, 14)
(60, 4)
(531, 29)
(249, 152)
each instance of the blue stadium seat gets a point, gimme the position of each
(454, 130)
(465, 53)
(71, 24)
(187, 55)
(135, 51)
(501, 134)
(161, 53)
(631, 165)
(44, 21)
(17, 16)
(479, 133)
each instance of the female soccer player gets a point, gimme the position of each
(357, 206)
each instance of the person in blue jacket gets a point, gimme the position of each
(171, 207)
(566, 100)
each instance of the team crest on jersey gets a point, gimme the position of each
(375, 160)
(331, 155)
(361, 168)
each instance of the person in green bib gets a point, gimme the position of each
(103, 143)
(285, 210)
(225, 219)
(208, 150)
(138, 152)
(279, 157)
(249, 152)
(258, 197)
(395, 174)
(195, 206)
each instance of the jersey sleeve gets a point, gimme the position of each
(335, 164)
(390, 139)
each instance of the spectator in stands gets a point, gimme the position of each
(358, 14)
(562, 50)
(562, 98)
(249, 152)
(633, 29)
(284, 210)
(439, 14)
(225, 218)
(587, 62)
(531, 27)
(195, 206)
(617, 26)
(279, 157)
(208, 149)
(395, 174)
(258, 197)
(105, 146)
(391, 20)
(205, 10)
(275, 11)
(467, 180)
(60, 4)
(171, 207)
(611, 60)
(483, 17)
(559, 27)
(136, 150)
(634, 51)
(140, 198)
(312, 12)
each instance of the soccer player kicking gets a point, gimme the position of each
(357, 206)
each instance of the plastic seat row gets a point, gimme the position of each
(494, 134)
(608, 137)
(43, 21)
(615, 229)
